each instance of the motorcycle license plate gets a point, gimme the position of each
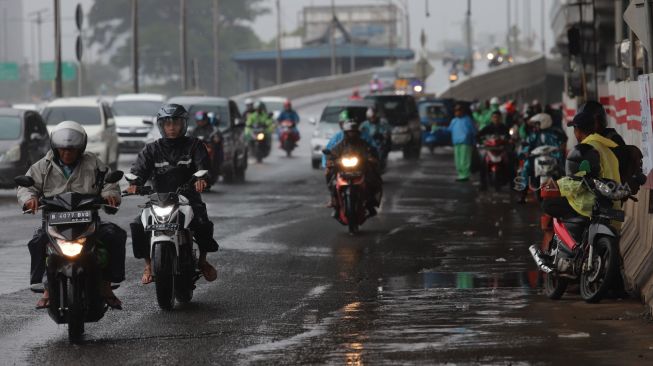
(161, 227)
(69, 217)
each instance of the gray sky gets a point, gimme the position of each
(445, 22)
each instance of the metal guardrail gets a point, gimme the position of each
(529, 80)
(312, 86)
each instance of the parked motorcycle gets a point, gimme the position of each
(167, 217)
(585, 249)
(74, 255)
(545, 166)
(260, 143)
(288, 136)
(351, 191)
(495, 171)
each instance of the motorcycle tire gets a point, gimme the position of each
(75, 302)
(288, 146)
(496, 181)
(595, 285)
(184, 290)
(350, 212)
(164, 275)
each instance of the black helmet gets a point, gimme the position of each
(583, 155)
(172, 111)
(68, 135)
(596, 110)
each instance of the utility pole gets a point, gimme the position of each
(332, 37)
(407, 17)
(508, 41)
(182, 44)
(216, 47)
(468, 31)
(135, 45)
(39, 22)
(58, 84)
(542, 29)
(392, 29)
(279, 65)
(5, 41)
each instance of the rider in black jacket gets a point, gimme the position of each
(170, 162)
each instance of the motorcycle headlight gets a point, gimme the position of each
(417, 88)
(260, 136)
(71, 248)
(490, 56)
(349, 162)
(161, 211)
(12, 154)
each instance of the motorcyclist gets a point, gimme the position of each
(499, 129)
(541, 134)
(203, 129)
(340, 135)
(593, 156)
(67, 167)
(496, 127)
(376, 85)
(379, 130)
(355, 95)
(289, 114)
(601, 121)
(259, 117)
(170, 162)
(249, 108)
(352, 142)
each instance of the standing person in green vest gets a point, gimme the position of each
(463, 133)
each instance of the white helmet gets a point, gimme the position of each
(68, 135)
(495, 100)
(543, 119)
(249, 102)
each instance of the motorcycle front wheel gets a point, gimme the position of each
(75, 301)
(554, 286)
(350, 212)
(595, 283)
(164, 278)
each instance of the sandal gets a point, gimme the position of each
(43, 303)
(208, 271)
(147, 275)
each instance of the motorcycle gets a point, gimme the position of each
(288, 136)
(213, 145)
(496, 162)
(384, 145)
(75, 257)
(585, 249)
(260, 143)
(167, 217)
(545, 166)
(351, 191)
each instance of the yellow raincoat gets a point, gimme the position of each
(580, 199)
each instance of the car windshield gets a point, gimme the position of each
(82, 115)
(332, 114)
(388, 74)
(433, 111)
(220, 111)
(135, 107)
(395, 108)
(273, 106)
(9, 128)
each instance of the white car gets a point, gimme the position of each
(130, 111)
(95, 115)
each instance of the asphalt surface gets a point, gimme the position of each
(441, 276)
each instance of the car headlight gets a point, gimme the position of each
(417, 88)
(12, 154)
(349, 162)
(71, 248)
(260, 136)
(161, 211)
(490, 56)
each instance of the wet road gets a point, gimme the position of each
(441, 276)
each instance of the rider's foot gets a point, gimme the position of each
(147, 274)
(208, 271)
(44, 301)
(109, 297)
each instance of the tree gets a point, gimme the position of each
(159, 38)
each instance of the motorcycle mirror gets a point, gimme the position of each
(201, 173)
(114, 177)
(131, 177)
(24, 181)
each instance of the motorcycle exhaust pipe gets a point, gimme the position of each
(535, 253)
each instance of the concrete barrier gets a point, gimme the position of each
(538, 78)
(312, 86)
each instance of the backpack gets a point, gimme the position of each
(630, 166)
